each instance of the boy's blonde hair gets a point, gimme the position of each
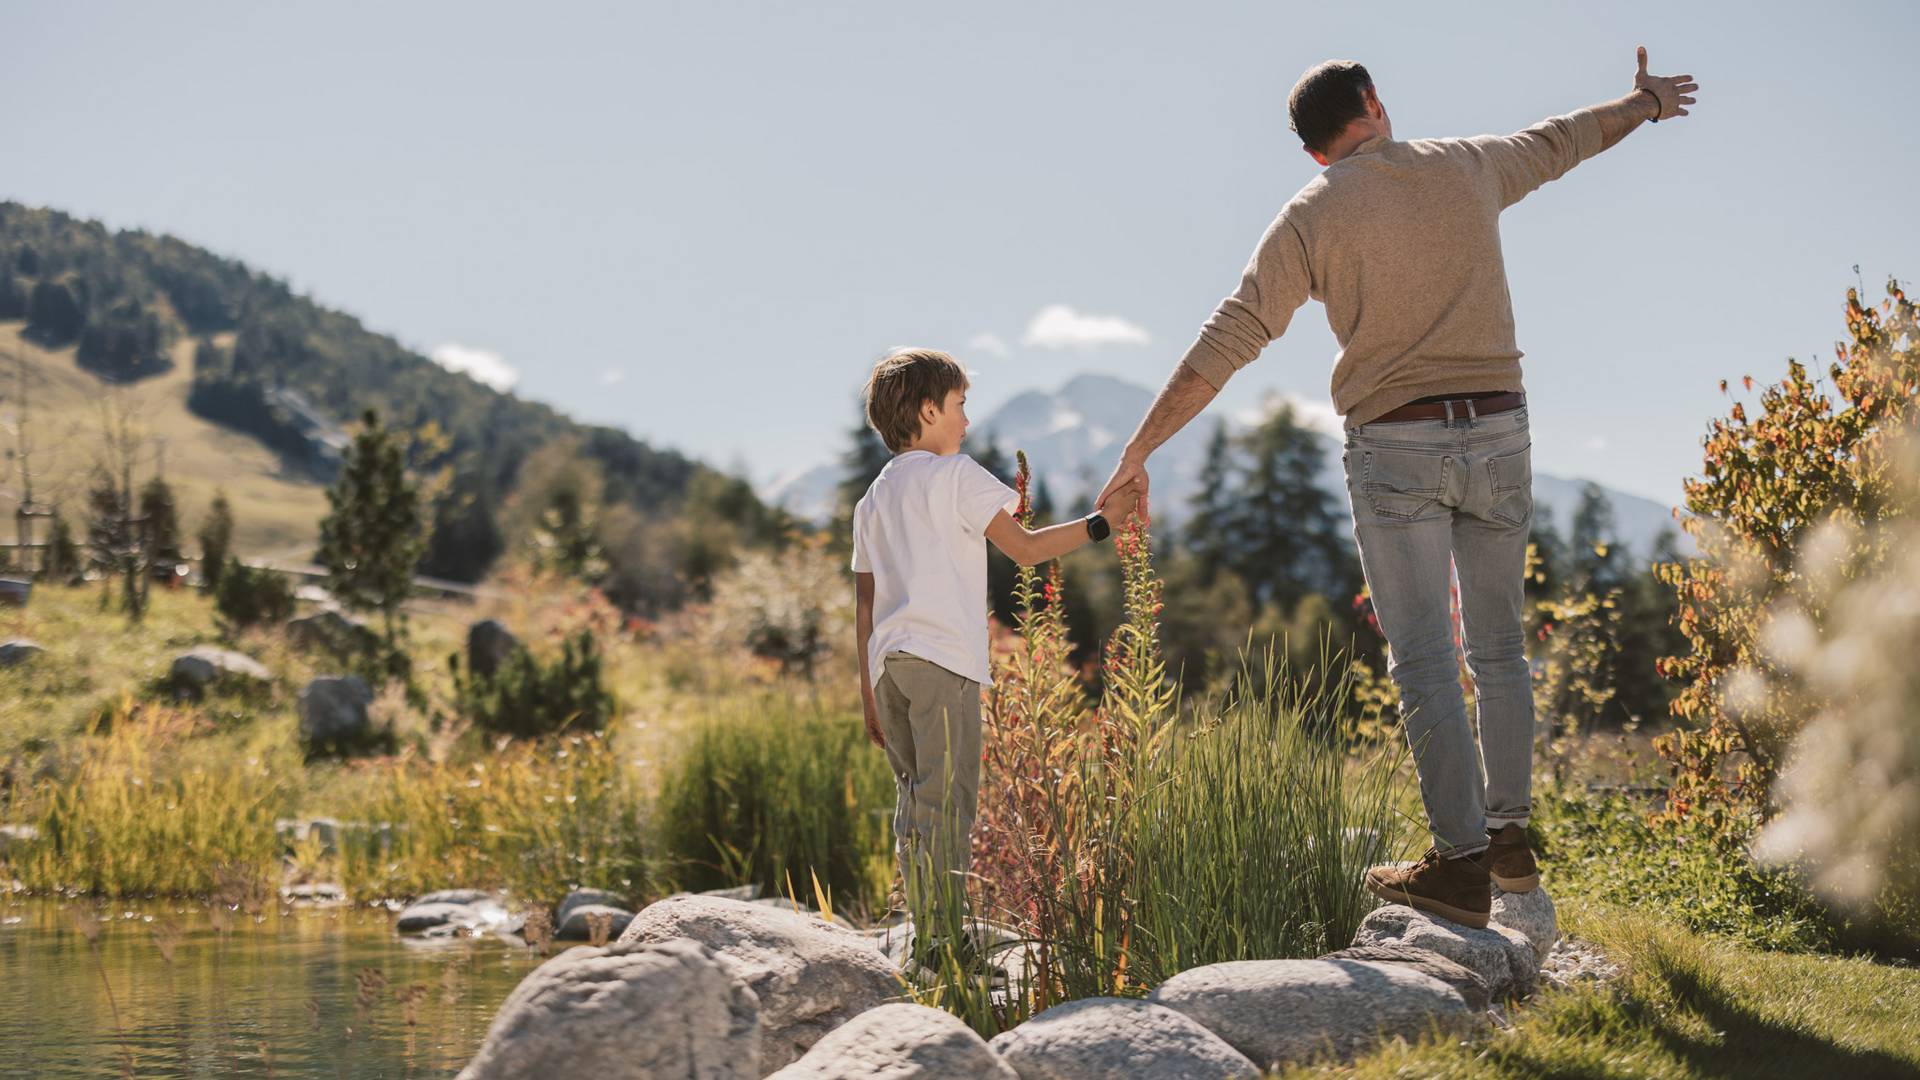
(901, 382)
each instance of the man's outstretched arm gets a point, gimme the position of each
(1523, 161)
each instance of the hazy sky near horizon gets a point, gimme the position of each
(702, 221)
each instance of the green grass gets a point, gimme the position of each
(781, 792)
(1690, 1005)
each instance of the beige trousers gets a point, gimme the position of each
(930, 718)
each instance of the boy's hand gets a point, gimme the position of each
(873, 721)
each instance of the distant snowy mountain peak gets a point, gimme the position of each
(1072, 437)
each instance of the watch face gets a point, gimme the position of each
(1097, 527)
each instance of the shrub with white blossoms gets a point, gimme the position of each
(1850, 643)
(793, 606)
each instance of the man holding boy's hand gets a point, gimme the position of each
(920, 615)
(1401, 242)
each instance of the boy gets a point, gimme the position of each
(920, 568)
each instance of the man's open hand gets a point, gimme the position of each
(872, 710)
(1670, 89)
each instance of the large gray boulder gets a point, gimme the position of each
(899, 1042)
(203, 665)
(626, 1012)
(332, 630)
(1472, 988)
(1279, 1012)
(1503, 957)
(333, 714)
(489, 644)
(1101, 1038)
(809, 976)
(1531, 913)
(18, 651)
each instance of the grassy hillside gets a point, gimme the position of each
(159, 313)
(277, 511)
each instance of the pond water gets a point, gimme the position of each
(175, 990)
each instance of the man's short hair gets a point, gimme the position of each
(1326, 99)
(901, 382)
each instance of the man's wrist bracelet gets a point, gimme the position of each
(1655, 118)
(1097, 527)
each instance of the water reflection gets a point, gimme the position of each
(325, 992)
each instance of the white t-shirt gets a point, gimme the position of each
(921, 531)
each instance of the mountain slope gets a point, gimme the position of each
(133, 306)
(277, 511)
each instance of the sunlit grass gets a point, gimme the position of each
(1689, 1006)
(535, 818)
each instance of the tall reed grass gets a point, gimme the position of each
(779, 792)
(121, 821)
(535, 818)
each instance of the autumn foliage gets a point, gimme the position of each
(1811, 451)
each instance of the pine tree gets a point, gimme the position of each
(159, 526)
(865, 456)
(1212, 508)
(1263, 515)
(216, 540)
(373, 535)
(1596, 560)
(112, 546)
(63, 554)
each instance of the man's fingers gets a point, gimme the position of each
(1643, 59)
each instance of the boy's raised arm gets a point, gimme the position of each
(863, 633)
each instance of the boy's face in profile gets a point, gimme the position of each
(942, 429)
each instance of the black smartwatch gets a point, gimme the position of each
(1097, 527)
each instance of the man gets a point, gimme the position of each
(1400, 241)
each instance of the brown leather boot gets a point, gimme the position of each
(1456, 889)
(1509, 859)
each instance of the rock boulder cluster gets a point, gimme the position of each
(717, 986)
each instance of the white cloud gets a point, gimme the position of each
(483, 365)
(1309, 413)
(612, 377)
(1058, 326)
(987, 343)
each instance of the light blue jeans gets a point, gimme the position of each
(1430, 496)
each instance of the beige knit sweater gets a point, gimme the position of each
(1401, 242)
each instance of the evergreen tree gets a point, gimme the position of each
(159, 526)
(1596, 560)
(1267, 519)
(1550, 560)
(62, 562)
(112, 545)
(1212, 509)
(865, 456)
(372, 537)
(216, 540)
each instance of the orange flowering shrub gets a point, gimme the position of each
(1808, 455)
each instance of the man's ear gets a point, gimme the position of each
(1316, 155)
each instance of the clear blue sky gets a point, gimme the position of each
(701, 221)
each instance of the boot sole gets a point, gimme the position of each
(1475, 919)
(1517, 884)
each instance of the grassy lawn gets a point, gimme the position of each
(1689, 1006)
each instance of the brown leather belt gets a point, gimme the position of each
(1435, 408)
